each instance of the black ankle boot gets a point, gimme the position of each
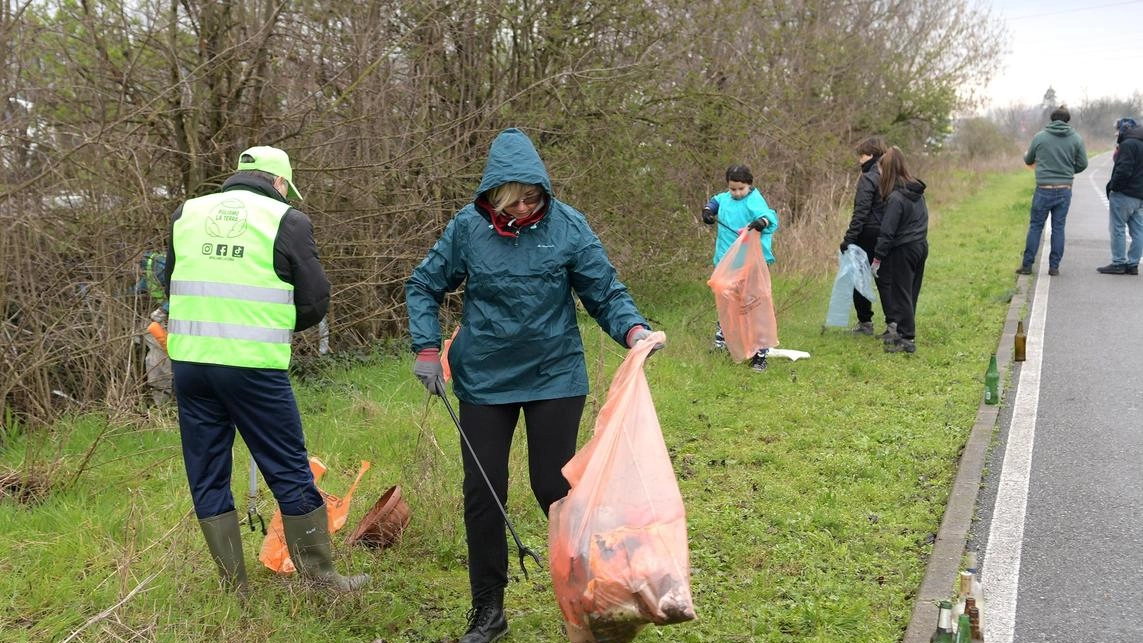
(486, 623)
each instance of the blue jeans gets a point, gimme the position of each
(1126, 214)
(1054, 202)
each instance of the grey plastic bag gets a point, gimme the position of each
(853, 273)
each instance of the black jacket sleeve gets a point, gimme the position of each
(165, 278)
(296, 262)
(894, 211)
(863, 202)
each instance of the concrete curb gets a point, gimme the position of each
(941, 572)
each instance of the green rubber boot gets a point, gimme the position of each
(307, 538)
(224, 539)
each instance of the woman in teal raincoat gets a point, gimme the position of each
(520, 254)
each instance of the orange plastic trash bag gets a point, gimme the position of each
(745, 301)
(446, 370)
(275, 554)
(618, 541)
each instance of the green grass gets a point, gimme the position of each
(813, 491)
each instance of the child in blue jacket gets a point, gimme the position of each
(741, 206)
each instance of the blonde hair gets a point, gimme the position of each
(512, 192)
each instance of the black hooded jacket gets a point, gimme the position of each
(1127, 173)
(868, 207)
(906, 218)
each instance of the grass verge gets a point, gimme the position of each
(813, 490)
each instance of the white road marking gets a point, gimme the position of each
(1000, 575)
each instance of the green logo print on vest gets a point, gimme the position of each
(228, 306)
(228, 220)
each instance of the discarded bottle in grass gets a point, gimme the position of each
(1021, 342)
(943, 633)
(992, 382)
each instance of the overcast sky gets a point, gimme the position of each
(1083, 49)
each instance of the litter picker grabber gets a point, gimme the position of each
(523, 551)
(252, 499)
(719, 222)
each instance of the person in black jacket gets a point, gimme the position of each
(903, 248)
(865, 224)
(1125, 203)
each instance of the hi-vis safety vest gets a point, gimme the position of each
(227, 304)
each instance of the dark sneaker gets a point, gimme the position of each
(862, 328)
(890, 334)
(901, 345)
(486, 623)
(719, 340)
(1053, 272)
(1024, 270)
(758, 362)
(1132, 270)
(1112, 269)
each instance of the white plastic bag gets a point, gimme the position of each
(853, 273)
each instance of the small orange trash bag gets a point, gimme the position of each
(618, 540)
(745, 301)
(275, 554)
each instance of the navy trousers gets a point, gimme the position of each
(215, 401)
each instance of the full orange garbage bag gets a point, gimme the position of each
(275, 554)
(743, 295)
(618, 540)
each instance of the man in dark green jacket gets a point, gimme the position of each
(523, 256)
(1057, 153)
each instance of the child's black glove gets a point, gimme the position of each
(707, 215)
(760, 224)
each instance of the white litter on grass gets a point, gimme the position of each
(786, 352)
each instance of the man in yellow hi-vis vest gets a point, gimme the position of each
(242, 275)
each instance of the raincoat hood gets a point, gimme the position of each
(513, 157)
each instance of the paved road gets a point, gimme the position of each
(1059, 522)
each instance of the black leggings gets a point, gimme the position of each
(551, 427)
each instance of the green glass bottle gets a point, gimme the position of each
(963, 630)
(992, 382)
(943, 633)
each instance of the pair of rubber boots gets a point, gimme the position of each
(307, 539)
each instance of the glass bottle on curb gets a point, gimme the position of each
(992, 382)
(943, 633)
(1021, 343)
(976, 631)
(963, 595)
(963, 630)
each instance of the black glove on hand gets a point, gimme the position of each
(428, 369)
(708, 215)
(760, 224)
(844, 246)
